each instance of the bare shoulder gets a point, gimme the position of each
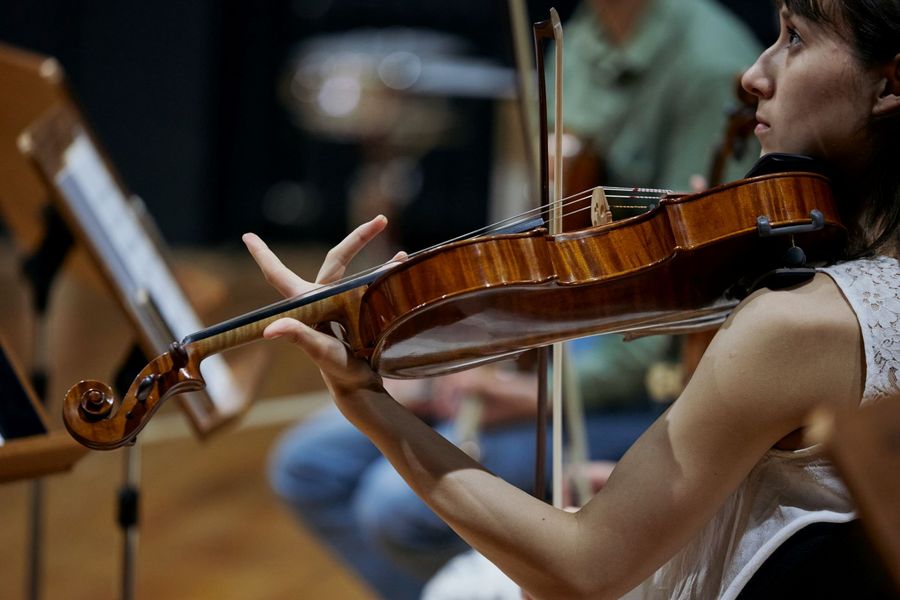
(787, 351)
(817, 306)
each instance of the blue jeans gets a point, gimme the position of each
(348, 495)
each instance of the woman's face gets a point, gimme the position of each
(815, 97)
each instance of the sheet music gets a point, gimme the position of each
(101, 207)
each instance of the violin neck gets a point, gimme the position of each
(337, 303)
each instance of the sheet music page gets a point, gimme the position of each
(104, 211)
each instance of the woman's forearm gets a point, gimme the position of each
(490, 514)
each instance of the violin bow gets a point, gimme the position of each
(552, 361)
(556, 227)
(558, 354)
(537, 147)
(564, 392)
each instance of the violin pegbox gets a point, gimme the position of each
(98, 419)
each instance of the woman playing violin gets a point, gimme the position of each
(723, 477)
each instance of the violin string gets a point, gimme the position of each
(637, 194)
(643, 194)
(634, 193)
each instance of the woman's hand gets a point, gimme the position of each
(342, 372)
(289, 284)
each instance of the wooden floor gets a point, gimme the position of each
(210, 527)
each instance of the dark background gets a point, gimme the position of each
(183, 96)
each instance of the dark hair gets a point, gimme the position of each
(872, 27)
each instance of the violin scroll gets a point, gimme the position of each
(98, 419)
(95, 400)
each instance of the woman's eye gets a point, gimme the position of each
(793, 37)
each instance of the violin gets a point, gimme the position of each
(475, 300)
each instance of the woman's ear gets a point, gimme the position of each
(889, 100)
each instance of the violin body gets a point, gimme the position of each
(483, 299)
(478, 300)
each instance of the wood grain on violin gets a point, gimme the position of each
(477, 300)
(497, 296)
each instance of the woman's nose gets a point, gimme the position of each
(756, 81)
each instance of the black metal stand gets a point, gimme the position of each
(129, 492)
(40, 269)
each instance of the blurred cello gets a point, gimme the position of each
(738, 128)
(583, 168)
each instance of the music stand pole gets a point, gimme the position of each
(128, 516)
(129, 492)
(35, 547)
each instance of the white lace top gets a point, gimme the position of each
(788, 490)
(872, 286)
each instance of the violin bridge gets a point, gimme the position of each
(600, 212)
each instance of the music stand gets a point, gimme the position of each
(116, 231)
(49, 158)
(28, 447)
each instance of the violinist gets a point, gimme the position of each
(647, 86)
(723, 485)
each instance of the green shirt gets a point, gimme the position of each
(656, 107)
(611, 372)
